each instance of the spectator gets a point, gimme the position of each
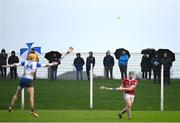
(3, 61)
(78, 63)
(123, 61)
(55, 67)
(167, 62)
(156, 68)
(108, 62)
(150, 67)
(144, 66)
(90, 59)
(12, 60)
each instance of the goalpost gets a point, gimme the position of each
(162, 89)
(22, 99)
(91, 87)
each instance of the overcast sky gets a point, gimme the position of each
(96, 25)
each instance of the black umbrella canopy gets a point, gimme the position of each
(170, 54)
(148, 51)
(119, 52)
(50, 55)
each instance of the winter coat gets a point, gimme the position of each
(55, 67)
(13, 59)
(123, 59)
(3, 59)
(90, 60)
(167, 62)
(78, 63)
(108, 61)
(145, 64)
(156, 62)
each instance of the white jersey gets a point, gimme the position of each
(29, 68)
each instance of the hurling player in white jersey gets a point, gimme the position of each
(26, 81)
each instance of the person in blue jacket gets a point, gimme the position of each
(78, 63)
(123, 61)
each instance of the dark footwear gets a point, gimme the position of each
(120, 116)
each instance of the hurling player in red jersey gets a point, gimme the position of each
(128, 87)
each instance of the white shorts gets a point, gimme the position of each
(129, 96)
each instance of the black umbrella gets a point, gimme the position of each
(119, 51)
(50, 55)
(148, 51)
(170, 54)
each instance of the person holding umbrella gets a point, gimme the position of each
(167, 57)
(150, 67)
(90, 59)
(144, 66)
(123, 60)
(55, 56)
(150, 52)
(122, 55)
(167, 62)
(156, 62)
(55, 67)
(24, 52)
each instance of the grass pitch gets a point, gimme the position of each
(88, 116)
(65, 101)
(68, 95)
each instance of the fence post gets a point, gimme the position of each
(22, 99)
(162, 88)
(91, 86)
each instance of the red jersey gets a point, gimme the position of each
(127, 83)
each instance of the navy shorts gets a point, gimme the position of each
(25, 83)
